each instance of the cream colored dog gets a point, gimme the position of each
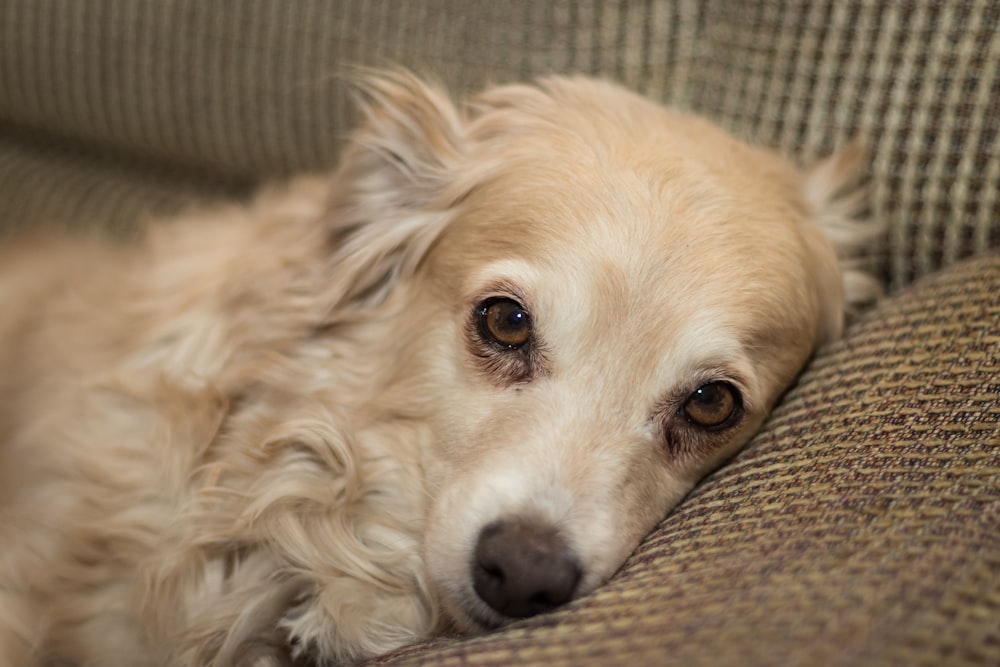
(455, 382)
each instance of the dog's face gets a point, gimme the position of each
(608, 299)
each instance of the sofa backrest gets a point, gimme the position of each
(234, 91)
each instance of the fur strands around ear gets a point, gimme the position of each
(834, 190)
(396, 186)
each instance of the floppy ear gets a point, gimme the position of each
(394, 190)
(838, 202)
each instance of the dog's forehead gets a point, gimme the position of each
(638, 252)
(630, 176)
(649, 230)
(578, 126)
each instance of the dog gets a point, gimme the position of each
(451, 384)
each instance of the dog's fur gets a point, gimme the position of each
(275, 430)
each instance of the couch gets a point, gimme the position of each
(862, 525)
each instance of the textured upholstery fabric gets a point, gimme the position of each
(237, 90)
(43, 182)
(860, 527)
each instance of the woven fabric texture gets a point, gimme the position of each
(46, 181)
(240, 90)
(861, 526)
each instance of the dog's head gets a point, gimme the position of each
(600, 301)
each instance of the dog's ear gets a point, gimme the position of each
(838, 202)
(395, 188)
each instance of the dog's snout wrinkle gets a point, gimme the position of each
(522, 568)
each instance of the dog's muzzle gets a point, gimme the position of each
(522, 567)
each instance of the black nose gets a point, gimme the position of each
(522, 568)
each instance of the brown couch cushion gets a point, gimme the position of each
(862, 526)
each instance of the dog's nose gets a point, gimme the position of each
(522, 568)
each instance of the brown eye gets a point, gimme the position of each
(505, 322)
(712, 405)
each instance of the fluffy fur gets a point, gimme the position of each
(274, 432)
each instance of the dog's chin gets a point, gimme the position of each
(476, 623)
(470, 615)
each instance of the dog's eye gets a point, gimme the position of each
(505, 322)
(712, 405)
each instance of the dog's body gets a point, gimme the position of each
(332, 421)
